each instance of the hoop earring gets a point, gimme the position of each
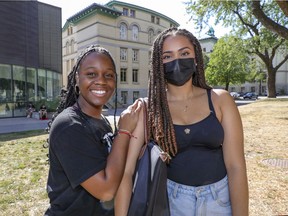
(76, 90)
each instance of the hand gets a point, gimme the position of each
(129, 117)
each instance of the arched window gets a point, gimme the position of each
(123, 31)
(135, 32)
(72, 46)
(150, 35)
(67, 48)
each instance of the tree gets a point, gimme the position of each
(256, 73)
(284, 6)
(228, 62)
(275, 26)
(258, 39)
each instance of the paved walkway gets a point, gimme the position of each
(9, 125)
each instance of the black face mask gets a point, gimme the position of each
(179, 71)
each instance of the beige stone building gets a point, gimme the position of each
(127, 31)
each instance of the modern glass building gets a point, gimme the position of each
(30, 55)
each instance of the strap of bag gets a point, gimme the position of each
(144, 106)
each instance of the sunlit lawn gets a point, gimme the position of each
(24, 164)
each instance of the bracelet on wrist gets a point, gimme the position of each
(126, 132)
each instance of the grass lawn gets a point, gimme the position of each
(24, 164)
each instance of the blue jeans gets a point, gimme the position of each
(207, 200)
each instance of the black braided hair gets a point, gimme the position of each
(160, 125)
(69, 97)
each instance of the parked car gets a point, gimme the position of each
(235, 95)
(241, 93)
(250, 95)
(266, 93)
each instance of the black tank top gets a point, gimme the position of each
(199, 160)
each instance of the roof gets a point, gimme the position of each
(92, 9)
(112, 3)
(109, 10)
(213, 38)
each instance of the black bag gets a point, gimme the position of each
(149, 194)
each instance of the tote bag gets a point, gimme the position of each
(149, 194)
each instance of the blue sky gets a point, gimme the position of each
(174, 9)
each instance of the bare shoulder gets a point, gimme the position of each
(220, 94)
(222, 97)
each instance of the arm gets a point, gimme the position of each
(122, 199)
(104, 184)
(233, 150)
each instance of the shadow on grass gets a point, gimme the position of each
(21, 135)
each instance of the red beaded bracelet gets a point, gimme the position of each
(122, 131)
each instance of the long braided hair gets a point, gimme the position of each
(70, 96)
(160, 125)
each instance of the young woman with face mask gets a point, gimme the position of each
(199, 127)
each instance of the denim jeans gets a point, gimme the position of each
(207, 200)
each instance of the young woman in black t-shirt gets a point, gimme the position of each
(86, 160)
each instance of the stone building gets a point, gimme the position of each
(127, 31)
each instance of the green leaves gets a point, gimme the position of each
(228, 62)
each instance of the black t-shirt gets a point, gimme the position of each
(78, 149)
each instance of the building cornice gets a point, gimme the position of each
(112, 3)
(208, 39)
(91, 10)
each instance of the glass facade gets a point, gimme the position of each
(21, 85)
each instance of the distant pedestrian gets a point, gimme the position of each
(43, 112)
(30, 109)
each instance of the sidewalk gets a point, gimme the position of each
(9, 125)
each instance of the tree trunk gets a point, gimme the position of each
(260, 87)
(271, 80)
(227, 86)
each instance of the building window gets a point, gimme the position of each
(136, 95)
(135, 32)
(158, 20)
(67, 48)
(42, 83)
(123, 75)
(152, 19)
(125, 11)
(123, 31)
(72, 46)
(123, 54)
(132, 13)
(70, 30)
(124, 97)
(135, 75)
(135, 55)
(150, 36)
